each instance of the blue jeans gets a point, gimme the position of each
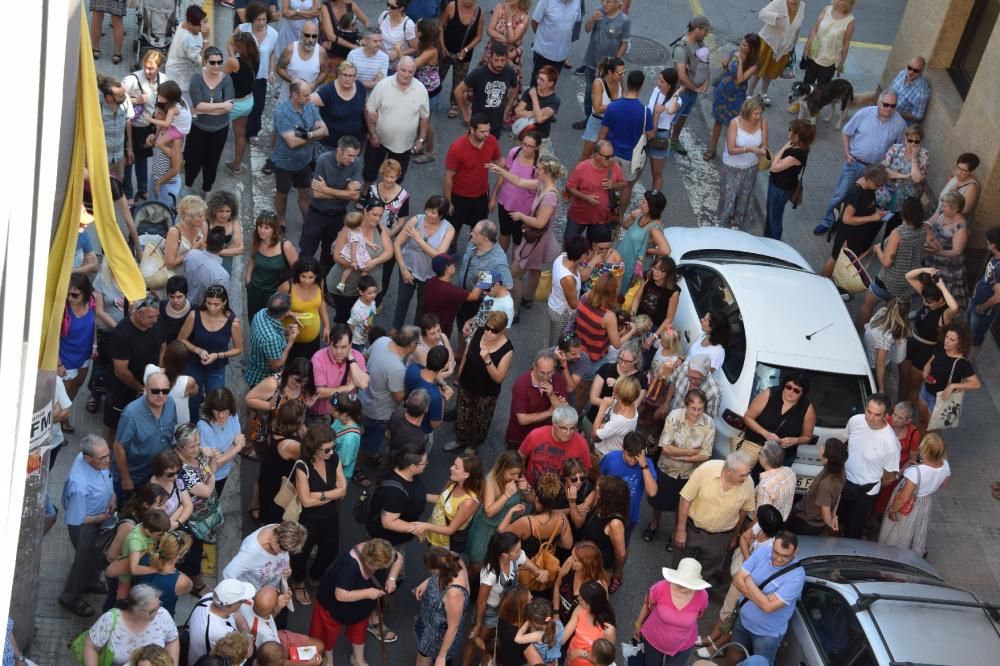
(776, 200)
(169, 192)
(929, 398)
(980, 323)
(759, 646)
(404, 294)
(850, 173)
(207, 380)
(589, 74)
(373, 436)
(656, 658)
(141, 166)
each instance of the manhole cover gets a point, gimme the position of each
(645, 51)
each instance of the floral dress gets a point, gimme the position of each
(514, 51)
(952, 269)
(891, 195)
(616, 268)
(729, 95)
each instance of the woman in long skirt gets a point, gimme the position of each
(908, 528)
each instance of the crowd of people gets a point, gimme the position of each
(616, 410)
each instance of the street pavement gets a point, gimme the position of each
(965, 524)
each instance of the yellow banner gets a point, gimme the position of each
(88, 150)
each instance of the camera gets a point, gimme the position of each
(301, 133)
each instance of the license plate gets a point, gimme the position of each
(803, 482)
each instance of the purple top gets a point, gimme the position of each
(512, 197)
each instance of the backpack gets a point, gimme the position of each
(365, 509)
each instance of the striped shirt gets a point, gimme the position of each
(592, 334)
(912, 98)
(871, 137)
(777, 488)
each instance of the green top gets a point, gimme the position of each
(136, 541)
(267, 271)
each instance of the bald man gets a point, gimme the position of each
(260, 618)
(913, 91)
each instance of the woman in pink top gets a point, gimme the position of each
(668, 621)
(509, 198)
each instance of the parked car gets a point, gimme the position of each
(783, 317)
(865, 604)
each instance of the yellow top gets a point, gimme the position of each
(311, 325)
(712, 508)
(829, 39)
(444, 512)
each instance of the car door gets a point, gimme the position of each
(824, 631)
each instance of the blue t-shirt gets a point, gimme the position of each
(984, 288)
(551, 653)
(626, 120)
(613, 464)
(221, 439)
(413, 381)
(787, 586)
(286, 119)
(418, 9)
(83, 246)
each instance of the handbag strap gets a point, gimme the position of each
(952, 373)
(552, 538)
(291, 472)
(777, 574)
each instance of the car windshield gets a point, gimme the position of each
(835, 397)
(721, 256)
(866, 569)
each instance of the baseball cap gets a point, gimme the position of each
(233, 591)
(440, 263)
(487, 279)
(699, 22)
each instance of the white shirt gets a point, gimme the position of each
(930, 478)
(266, 48)
(612, 434)
(217, 628)
(716, 353)
(870, 453)
(184, 57)
(267, 630)
(557, 297)
(399, 112)
(63, 402)
(500, 582)
(666, 118)
(255, 565)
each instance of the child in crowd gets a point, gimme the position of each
(667, 356)
(363, 313)
(138, 543)
(543, 629)
(355, 250)
(176, 120)
(702, 64)
(602, 652)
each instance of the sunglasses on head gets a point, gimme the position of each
(151, 301)
(216, 291)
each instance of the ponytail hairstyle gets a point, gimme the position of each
(445, 563)
(541, 616)
(172, 546)
(609, 64)
(597, 599)
(500, 543)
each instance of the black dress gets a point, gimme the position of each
(925, 327)
(593, 530)
(857, 237)
(272, 468)
(788, 424)
(321, 522)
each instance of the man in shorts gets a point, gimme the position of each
(297, 125)
(983, 308)
(685, 62)
(624, 122)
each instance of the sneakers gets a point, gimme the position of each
(675, 145)
(765, 100)
(821, 229)
(794, 107)
(451, 447)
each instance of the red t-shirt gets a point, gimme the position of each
(443, 299)
(587, 179)
(543, 454)
(471, 178)
(527, 399)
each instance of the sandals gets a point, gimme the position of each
(268, 168)
(708, 155)
(453, 111)
(649, 534)
(302, 595)
(116, 58)
(80, 608)
(92, 404)
(387, 636)
(707, 647)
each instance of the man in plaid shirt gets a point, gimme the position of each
(913, 91)
(270, 341)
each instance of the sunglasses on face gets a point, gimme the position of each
(793, 388)
(575, 479)
(605, 156)
(888, 105)
(326, 449)
(214, 62)
(159, 391)
(914, 69)
(306, 35)
(913, 141)
(493, 330)
(74, 294)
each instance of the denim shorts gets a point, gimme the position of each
(688, 99)
(879, 290)
(491, 617)
(654, 154)
(928, 397)
(980, 324)
(593, 129)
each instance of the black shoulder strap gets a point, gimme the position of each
(777, 574)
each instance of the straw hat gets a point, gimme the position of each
(687, 574)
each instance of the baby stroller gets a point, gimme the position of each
(157, 21)
(152, 220)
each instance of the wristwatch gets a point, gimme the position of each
(322, 496)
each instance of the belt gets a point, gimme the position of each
(692, 526)
(920, 339)
(861, 161)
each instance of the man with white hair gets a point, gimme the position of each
(146, 427)
(777, 482)
(695, 372)
(89, 502)
(217, 614)
(546, 448)
(866, 137)
(397, 113)
(713, 504)
(913, 91)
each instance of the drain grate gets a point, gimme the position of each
(645, 51)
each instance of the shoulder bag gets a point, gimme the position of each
(532, 234)
(206, 520)
(947, 412)
(287, 497)
(184, 632)
(259, 420)
(105, 657)
(911, 501)
(727, 626)
(546, 560)
(659, 142)
(796, 196)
